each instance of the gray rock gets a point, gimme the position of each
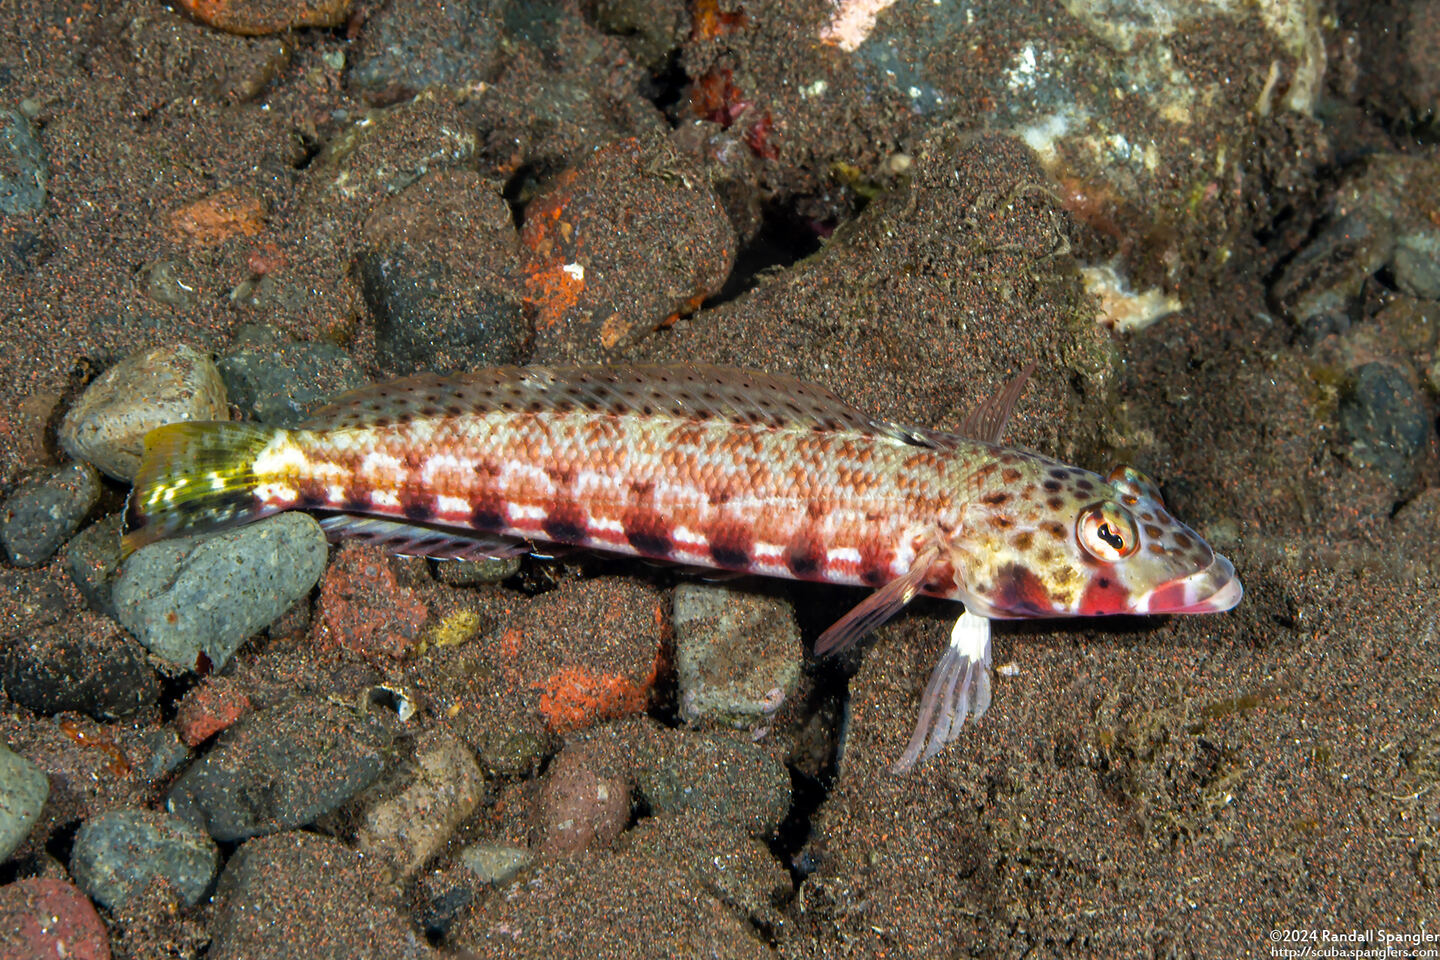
(280, 768)
(93, 557)
(159, 753)
(24, 174)
(406, 830)
(719, 780)
(117, 853)
(108, 423)
(45, 510)
(23, 791)
(738, 655)
(469, 573)
(1417, 264)
(280, 381)
(428, 315)
(86, 665)
(165, 281)
(1386, 421)
(297, 896)
(495, 863)
(203, 596)
(407, 49)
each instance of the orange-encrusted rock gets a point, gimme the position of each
(217, 217)
(590, 294)
(208, 709)
(255, 18)
(364, 610)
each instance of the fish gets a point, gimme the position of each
(710, 467)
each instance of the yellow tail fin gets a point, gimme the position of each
(193, 478)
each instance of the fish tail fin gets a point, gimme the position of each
(196, 477)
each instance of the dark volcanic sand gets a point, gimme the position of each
(1164, 787)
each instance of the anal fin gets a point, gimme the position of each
(877, 608)
(959, 686)
(417, 540)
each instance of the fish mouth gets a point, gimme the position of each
(1212, 590)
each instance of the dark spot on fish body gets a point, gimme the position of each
(1153, 532)
(1010, 475)
(1023, 540)
(417, 508)
(1182, 541)
(804, 557)
(1019, 591)
(650, 543)
(1054, 528)
(488, 516)
(1084, 486)
(565, 526)
(1055, 503)
(1051, 485)
(995, 499)
(874, 576)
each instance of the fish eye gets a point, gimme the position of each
(1107, 532)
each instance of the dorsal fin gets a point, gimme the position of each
(987, 421)
(690, 391)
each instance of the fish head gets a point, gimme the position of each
(1059, 541)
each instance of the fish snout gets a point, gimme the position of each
(1214, 589)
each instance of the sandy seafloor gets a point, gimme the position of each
(852, 213)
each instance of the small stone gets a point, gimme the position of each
(280, 381)
(364, 610)
(93, 557)
(45, 919)
(738, 655)
(591, 297)
(108, 423)
(214, 705)
(469, 573)
(24, 173)
(1385, 419)
(117, 853)
(714, 778)
(410, 48)
(45, 510)
(280, 768)
(217, 217)
(438, 276)
(495, 863)
(159, 753)
(23, 791)
(203, 596)
(409, 829)
(165, 281)
(298, 896)
(1416, 264)
(253, 18)
(584, 801)
(85, 664)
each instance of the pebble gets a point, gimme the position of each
(495, 863)
(470, 573)
(713, 778)
(92, 557)
(214, 705)
(193, 601)
(42, 918)
(364, 610)
(159, 753)
(23, 791)
(409, 829)
(45, 510)
(409, 48)
(85, 664)
(591, 295)
(437, 275)
(213, 219)
(300, 896)
(738, 655)
(1385, 418)
(24, 173)
(584, 800)
(108, 423)
(280, 381)
(254, 18)
(118, 852)
(280, 768)
(1416, 264)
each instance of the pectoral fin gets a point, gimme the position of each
(959, 686)
(876, 608)
(416, 540)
